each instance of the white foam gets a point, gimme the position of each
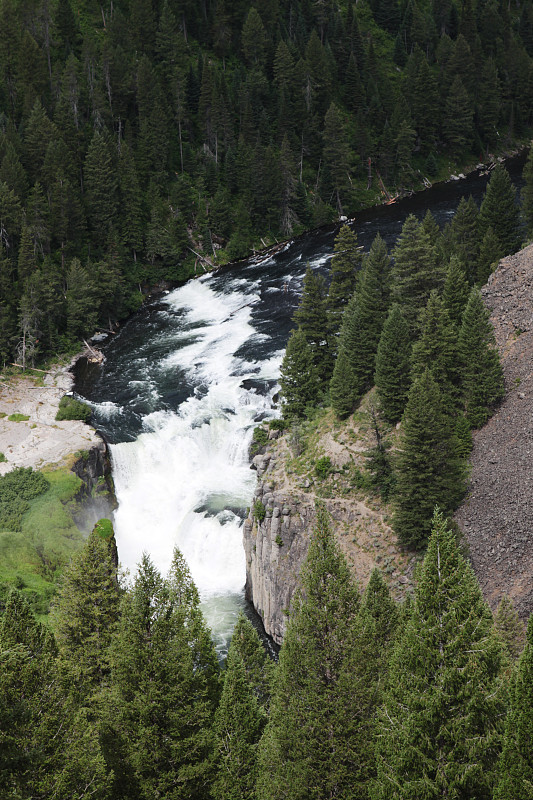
(174, 481)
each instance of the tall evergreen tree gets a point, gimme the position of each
(515, 768)
(163, 689)
(490, 252)
(415, 271)
(456, 291)
(440, 727)
(365, 676)
(392, 365)
(510, 627)
(436, 350)
(361, 326)
(341, 386)
(299, 380)
(238, 725)
(345, 264)
(304, 752)
(465, 235)
(481, 371)
(311, 318)
(86, 610)
(100, 188)
(500, 212)
(429, 471)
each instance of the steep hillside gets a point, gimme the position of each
(497, 516)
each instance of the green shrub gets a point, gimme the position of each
(104, 528)
(323, 467)
(18, 418)
(259, 439)
(279, 541)
(70, 408)
(17, 488)
(2, 458)
(259, 511)
(278, 424)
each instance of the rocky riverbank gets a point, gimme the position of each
(30, 436)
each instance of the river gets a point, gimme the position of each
(184, 383)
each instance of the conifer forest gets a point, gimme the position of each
(144, 142)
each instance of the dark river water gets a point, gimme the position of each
(185, 381)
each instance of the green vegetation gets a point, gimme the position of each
(18, 417)
(32, 556)
(70, 408)
(259, 511)
(259, 440)
(323, 467)
(3, 459)
(17, 488)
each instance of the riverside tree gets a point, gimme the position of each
(440, 727)
(312, 320)
(500, 211)
(299, 379)
(345, 264)
(305, 751)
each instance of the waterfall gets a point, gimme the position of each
(186, 479)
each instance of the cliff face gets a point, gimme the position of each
(96, 497)
(276, 546)
(497, 517)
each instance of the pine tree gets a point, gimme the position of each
(440, 728)
(365, 675)
(363, 320)
(86, 609)
(392, 365)
(305, 752)
(500, 212)
(299, 379)
(257, 664)
(510, 628)
(311, 318)
(341, 387)
(436, 350)
(465, 235)
(100, 188)
(429, 471)
(337, 156)
(238, 725)
(458, 117)
(456, 291)
(164, 688)
(49, 744)
(481, 371)
(515, 767)
(415, 271)
(490, 252)
(345, 264)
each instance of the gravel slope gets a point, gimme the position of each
(497, 516)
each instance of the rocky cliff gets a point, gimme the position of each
(497, 516)
(276, 533)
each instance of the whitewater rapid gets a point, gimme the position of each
(186, 479)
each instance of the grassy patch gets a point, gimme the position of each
(18, 418)
(2, 458)
(33, 557)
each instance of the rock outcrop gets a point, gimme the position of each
(497, 516)
(277, 531)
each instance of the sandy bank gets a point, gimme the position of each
(40, 440)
